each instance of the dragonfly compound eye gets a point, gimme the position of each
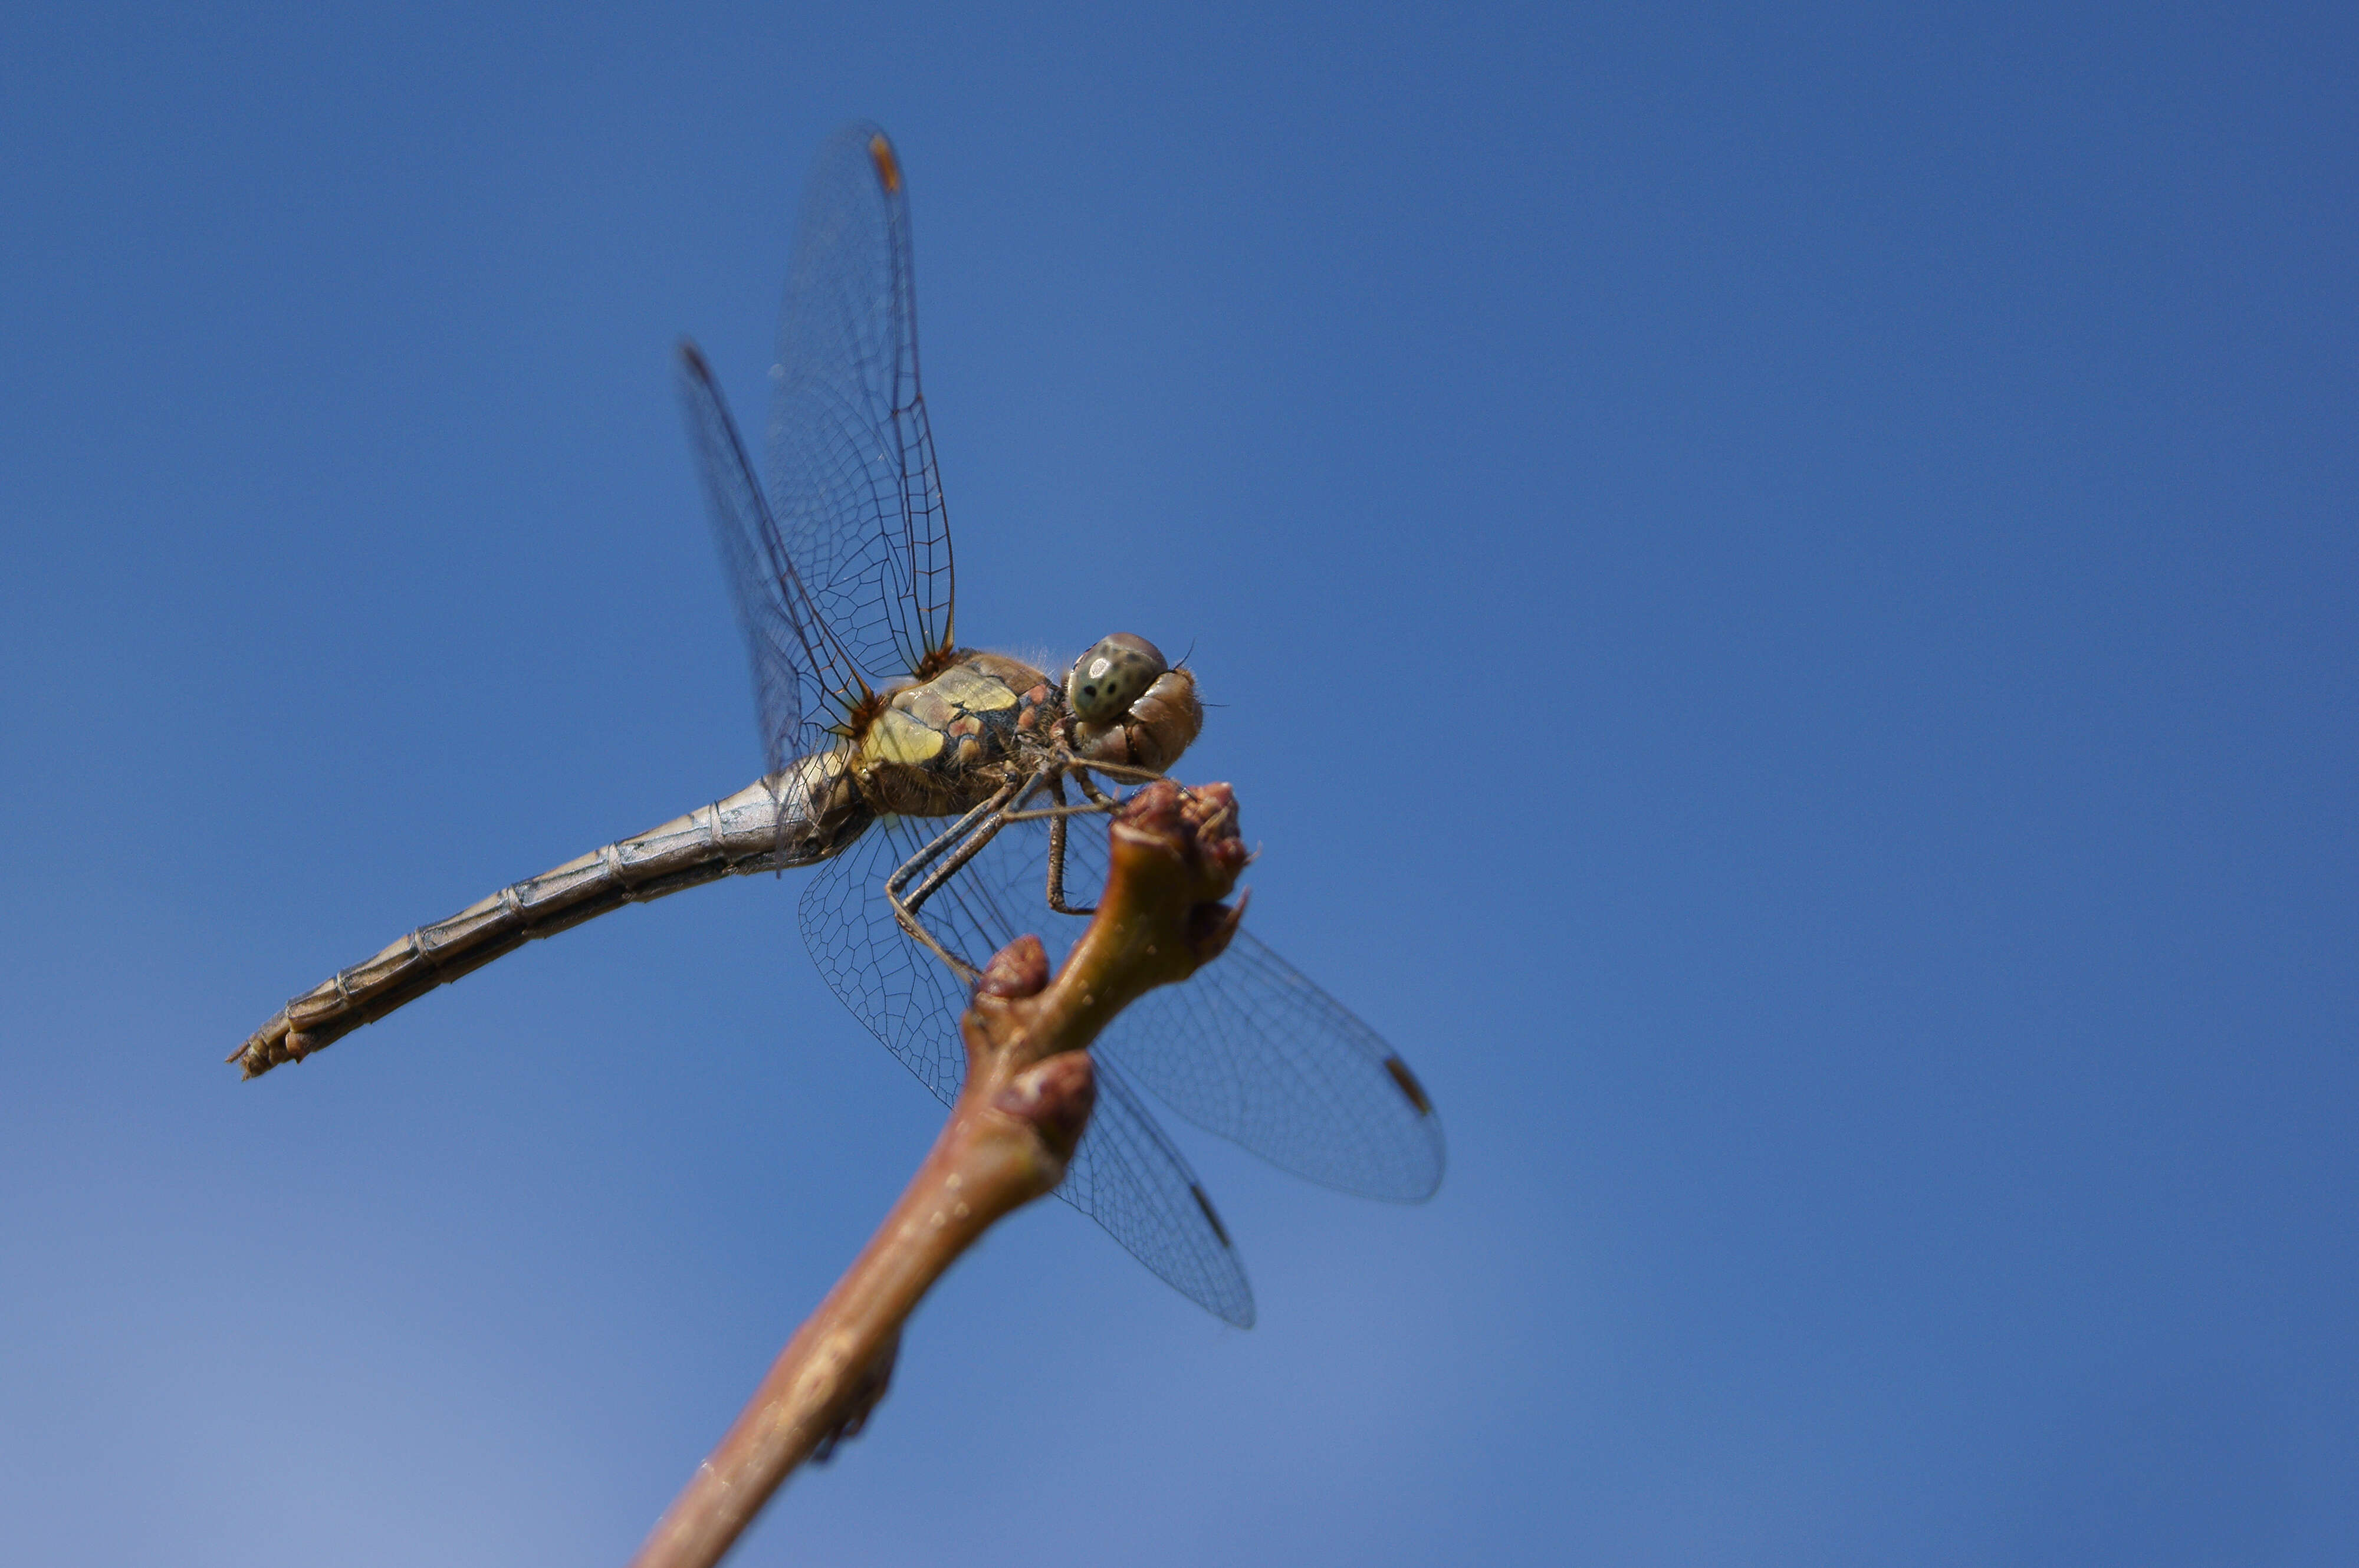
(1112, 675)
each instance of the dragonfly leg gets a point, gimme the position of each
(906, 904)
(950, 835)
(948, 868)
(1097, 804)
(1120, 772)
(1057, 851)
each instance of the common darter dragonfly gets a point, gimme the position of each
(932, 787)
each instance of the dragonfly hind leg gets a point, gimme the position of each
(942, 856)
(970, 840)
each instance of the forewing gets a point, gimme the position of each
(796, 666)
(852, 479)
(1127, 1175)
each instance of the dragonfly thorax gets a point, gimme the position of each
(940, 748)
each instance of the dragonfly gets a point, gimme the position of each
(933, 790)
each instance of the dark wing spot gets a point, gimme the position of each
(1205, 1204)
(1406, 1081)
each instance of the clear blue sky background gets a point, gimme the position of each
(1782, 584)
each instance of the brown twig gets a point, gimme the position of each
(1029, 1087)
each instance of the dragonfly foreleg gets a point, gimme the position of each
(1122, 772)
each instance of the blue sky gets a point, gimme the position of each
(1780, 587)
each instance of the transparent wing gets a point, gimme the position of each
(1127, 1175)
(841, 568)
(853, 480)
(1254, 1052)
(796, 663)
(905, 995)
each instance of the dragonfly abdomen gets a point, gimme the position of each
(797, 817)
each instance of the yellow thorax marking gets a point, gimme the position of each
(910, 729)
(897, 737)
(975, 691)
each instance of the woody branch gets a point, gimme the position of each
(1175, 854)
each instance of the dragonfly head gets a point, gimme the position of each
(1105, 680)
(1131, 706)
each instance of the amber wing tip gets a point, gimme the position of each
(889, 167)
